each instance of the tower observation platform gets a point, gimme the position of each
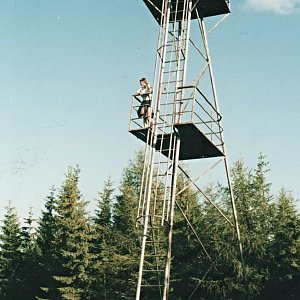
(185, 125)
(198, 125)
(205, 8)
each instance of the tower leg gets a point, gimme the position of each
(173, 194)
(145, 230)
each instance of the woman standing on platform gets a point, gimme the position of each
(144, 110)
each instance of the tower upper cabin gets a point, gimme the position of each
(206, 8)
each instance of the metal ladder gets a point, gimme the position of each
(157, 197)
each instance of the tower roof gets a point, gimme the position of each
(206, 8)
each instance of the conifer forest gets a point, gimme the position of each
(72, 253)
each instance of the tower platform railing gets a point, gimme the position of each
(195, 108)
(193, 113)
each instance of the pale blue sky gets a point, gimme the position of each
(68, 69)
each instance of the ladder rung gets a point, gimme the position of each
(151, 285)
(165, 149)
(173, 71)
(172, 45)
(161, 162)
(174, 31)
(176, 50)
(154, 270)
(168, 93)
(175, 60)
(154, 242)
(171, 82)
(161, 175)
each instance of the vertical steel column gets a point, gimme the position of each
(170, 235)
(234, 211)
(188, 27)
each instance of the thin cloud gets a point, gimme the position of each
(282, 7)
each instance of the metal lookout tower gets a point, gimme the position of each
(186, 126)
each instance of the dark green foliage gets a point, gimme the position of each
(102, 247)
(63, 242)
(256, 215)
(188, 255)
(104, 214)
(284, 251)
(72, 256)
(132, 174)
(217, 269)
(29, 270)
(18, 265)
(126, 258)
(11, 255)
(259, 223)
(71, 239)
(47, 252)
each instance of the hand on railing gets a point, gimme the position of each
(136, 97)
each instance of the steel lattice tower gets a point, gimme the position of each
(186, 126)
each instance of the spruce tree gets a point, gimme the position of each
(126, 258)
(72, 240)
(102, 247)
(125, 262)
(103, 216)
(132, 174)
(29, 268)
(256, 217)
(49, 264)
(284, 252)
(11, 256)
